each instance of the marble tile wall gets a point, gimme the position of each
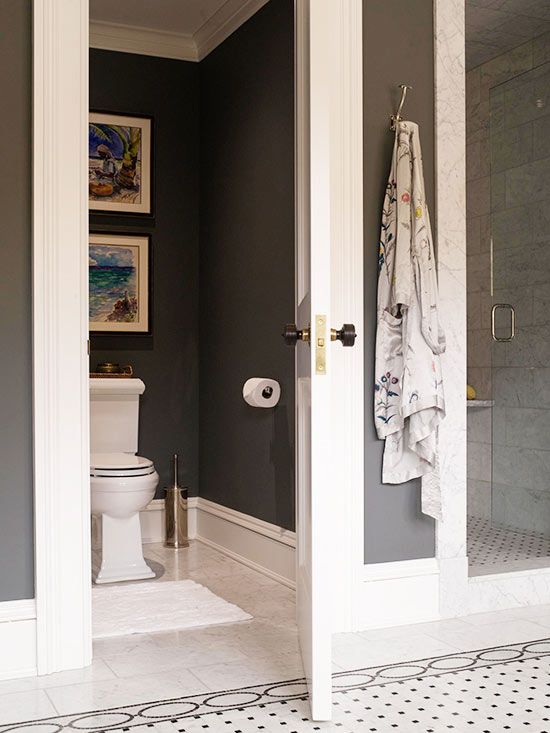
(508, 199)
(450, 111)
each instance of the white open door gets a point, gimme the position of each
(315, 78)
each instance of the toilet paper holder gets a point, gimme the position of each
(261, 392)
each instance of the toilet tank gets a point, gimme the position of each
(114, 414)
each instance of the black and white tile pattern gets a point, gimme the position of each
(489, 545)
(491, 690)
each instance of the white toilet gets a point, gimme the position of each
(121, 483)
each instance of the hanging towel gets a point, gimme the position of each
(408, 393)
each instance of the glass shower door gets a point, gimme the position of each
(519, 315)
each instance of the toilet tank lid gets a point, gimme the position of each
(116, 386)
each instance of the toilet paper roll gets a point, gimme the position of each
(261, 392)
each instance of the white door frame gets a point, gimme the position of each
(60, 328)
(60, 333)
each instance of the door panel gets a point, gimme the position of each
(519, 321)
(312, 386)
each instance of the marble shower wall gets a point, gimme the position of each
(508, 198)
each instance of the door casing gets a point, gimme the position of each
(60, 326)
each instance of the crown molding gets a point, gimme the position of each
(223, 23)
(181, 46)
(144, 41)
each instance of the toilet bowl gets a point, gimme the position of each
(121, 486)
(121, 482)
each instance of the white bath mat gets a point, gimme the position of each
(163, 606)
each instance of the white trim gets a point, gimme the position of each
(152, 522)
(144, 41)
(260, 545)
(18, 644)
(397, 593)
(223, 23)
(60, 332)
(165, 44)
(252, 524)
(60, 293)
(347, 306)
(400, 569)
(257, 544)
(17, 639)
(17, 610)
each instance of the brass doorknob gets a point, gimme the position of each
(346, 334)
(292, 335)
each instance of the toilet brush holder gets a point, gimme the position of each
(175, 504)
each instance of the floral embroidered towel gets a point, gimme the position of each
(409, 402)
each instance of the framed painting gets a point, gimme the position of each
(119, 288)
(119, 163)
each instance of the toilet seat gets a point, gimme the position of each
(125, 465)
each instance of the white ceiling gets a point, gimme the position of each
(496, 26)
(185, 17)
(492, 26)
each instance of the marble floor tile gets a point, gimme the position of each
(154, 671)
(16, 707)
(539, 614)
(495, 634)
(96, 672)
(494, 690)
(256, 638)
(239, 674)
(353, 651)
(121, 692)
(393, 634)
(113, 646)
(193, 654)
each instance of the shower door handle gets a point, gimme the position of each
(512, 322)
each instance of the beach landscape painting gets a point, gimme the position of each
(118, 267)
(119, 163)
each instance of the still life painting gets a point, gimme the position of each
(119, 163)
(119, 283)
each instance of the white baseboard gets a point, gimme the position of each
(17, 639)
(152, 522)
(398, 593)
(265, 547)
(260, 545)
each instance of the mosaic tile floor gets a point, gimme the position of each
(247, 676)
(489, 545)
(491, 690)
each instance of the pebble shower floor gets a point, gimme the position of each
(488, 545)
(504, 688)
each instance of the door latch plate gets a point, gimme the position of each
(320, 344)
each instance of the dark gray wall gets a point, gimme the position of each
(247, 265)
(16, 482)
(398, 42)
(167, 361)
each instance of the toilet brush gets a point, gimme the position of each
(175, 504)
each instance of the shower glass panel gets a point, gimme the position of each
(518, 310)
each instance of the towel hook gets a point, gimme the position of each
(397, 117)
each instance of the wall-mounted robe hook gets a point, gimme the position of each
(397, 116)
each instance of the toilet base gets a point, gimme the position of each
(122, 553)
